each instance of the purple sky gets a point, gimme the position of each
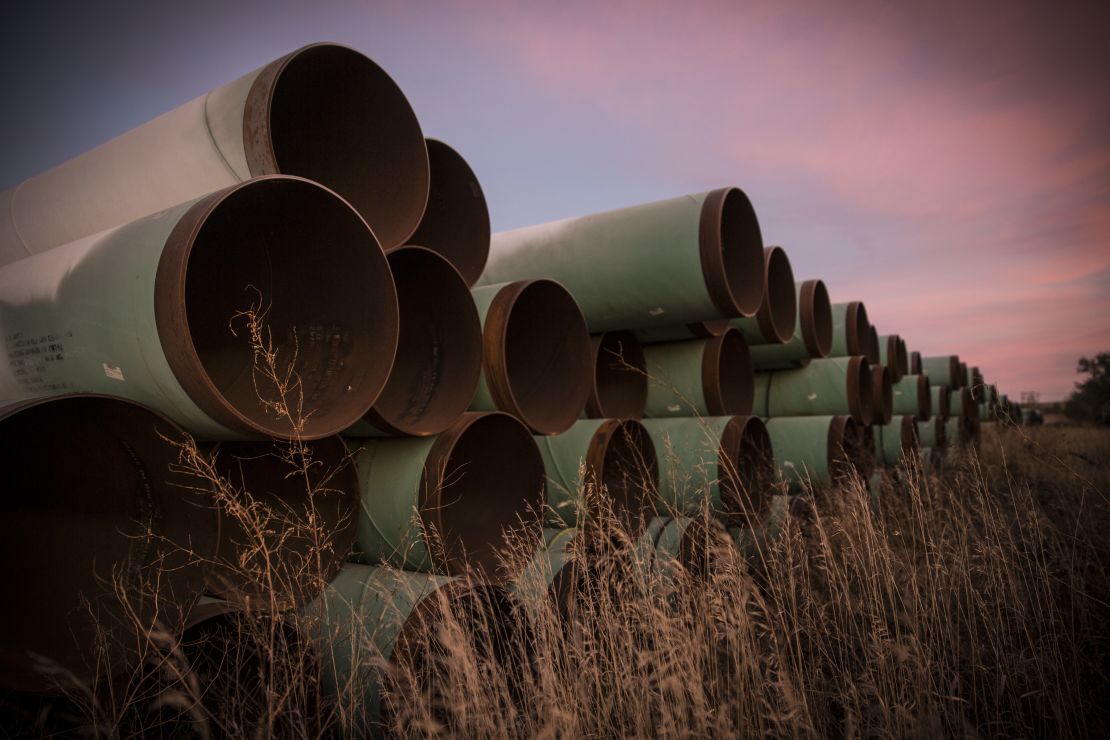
(948, 163)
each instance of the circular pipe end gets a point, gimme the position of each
(537, 355)
(872, 352)
(621, 457)
(882, 407)
(731, 248)
(619, 389)
(859, 389)
(815, 317)
(300, 261)
(456, 222)
(924, 398)
(728, 376)
(903, 359)
(439, 353)
(954, 375)
(893, 357)
(778, 312)
(915, 363)
(745, 471)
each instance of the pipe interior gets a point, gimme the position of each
(872, 348)
(859, 327)
(903, 358)
(337, 118)
(782, 297)
(883, 411)
(630, 475)
(456, 222)
(865, 390)
(842, 446)
(747, 481)
(548, 357)
(439, 351)
(735, 374)
(319, 282)
(620, 382)
(822, 322)
(742, 252)
(493, 481)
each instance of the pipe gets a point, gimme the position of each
(774, 322)
(323, 112)
(707, 377)
(287, 523)
(555, 573)
(813, 332)
(369, 615)
(892, 353)
(962, 429)
(814, 449)
(960, 404)
(915, 364)
(942, 370)
(601, 469)
(446, 503)
(862, 454)
(872, 354)
(456, 222)
(882, 403)
(913, 395)
(932, 433)
(725, 462)
(656, 265)
(147, 311)
(93, 498)
(850, 329)
(695, 330)
(536, 362)
(896, 441)
(439, 352)
(837, 385)
(961, 376)
(620, 383)
(685, 544)
(975, 383)
(941, 400)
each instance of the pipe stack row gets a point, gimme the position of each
(280, 302)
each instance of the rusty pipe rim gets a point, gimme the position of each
(954, 372)
(872, 351)
(619, 388)
(456, 222)
(903, 359)
(815, 318)
(439, 350)
(910, 442)
(970, 408)
(482, 477)
(859, 389)
(621, 458)
(778, 312)
(962, 375)
(941, 433)
(537, 355)
(856, 328)
(75, 523)
(727, 375)
(915, 363)
(892, 357)
(731, 248)
(329, 114)
(745, 471)
(882, 407)
(924, 398)
(305, 261)
(708, 329)
(945, 397)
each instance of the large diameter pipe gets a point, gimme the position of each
(536, 354)
(288, 516)
(942, 370)
(892, 353)
(813, 331)
(682, 544)
(601, 469)
(963, 430)
(723, 462)
(896, 441)
(915, 364)
(446, 503)
(695, 330)
(975, 383)
(555, 573)
(932, 433)
(456, 222)
(882, 398)
(851, 330)
(872, 352)
(960, 404)
(323, 112)
(941, 400)
(620, 383)
(774, 322)
(833, 386)
(661, 264)
(154, 311)
(913, 395)
(815, 449)
(102, 534)
(710, 377)
(439, 351)
(962, 376)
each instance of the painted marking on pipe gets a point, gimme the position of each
(812, 397)
(656, 311)
(674, 408)
(112, 371)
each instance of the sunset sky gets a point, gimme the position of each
(948, 163)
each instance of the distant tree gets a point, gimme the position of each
(1091, 399)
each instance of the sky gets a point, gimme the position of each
(947, 163)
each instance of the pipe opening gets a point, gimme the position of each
(915, 363)
(861, 396)
(439, 352)
(483, 478)
(456, 221)
(903, 359)
(308, 522)
(892, 358)
(815, 315)
(857, 328)
(745, 471)
(872, 351)
(843, 448)
(882, 408)
(620, 384)
(622, 456)
(337, 118)
(313, 275)
(732, 252)
(728, 376)
(779, 311)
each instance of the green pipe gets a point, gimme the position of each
(892, 353)
(813, 449)
(456, 222)
(682, 332)
(601, 470)
(699, 377)
(851, 329)
(655, 265)
(963, 430)
(932, 433)
(754, 542)
(975, 383)
(550, 574)
(896, 441)
(941, 400)
(775, 320)
(913, 395)
(620, 384)
(882, 398)
(94, 499)
(537, 359)
(724, 463)
(681, 544)
(813, 331)
(446, 503)
(323, 112)
(942, 370)
(960, 403)
(152, 311)
(872, 350)
(837, 385)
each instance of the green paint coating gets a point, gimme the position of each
(888, 442)
(904, 393)
(687, 452)
(674, 371)
(819, 389)
(483, 297)
(533, 584)
(775, 356)
(801, 446)
(927, 433)
(937, 391)
(840, 333)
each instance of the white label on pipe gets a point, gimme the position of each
(674, 408)
(656, 311)
(812, 397)
(112, 371)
